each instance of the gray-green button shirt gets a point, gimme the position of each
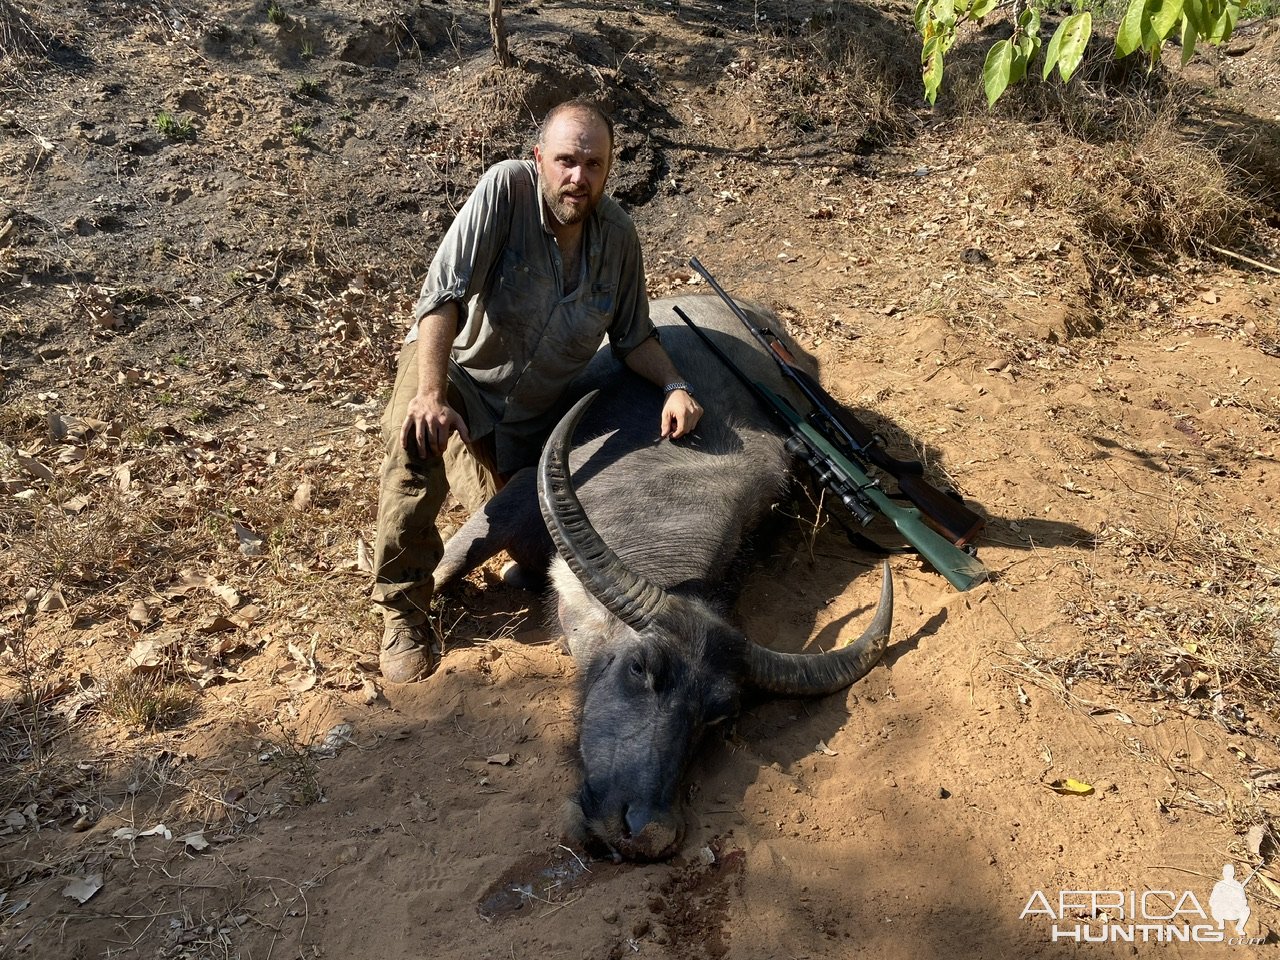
(522, 341)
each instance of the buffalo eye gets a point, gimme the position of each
(637, 668)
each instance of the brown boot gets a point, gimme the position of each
(409, 652)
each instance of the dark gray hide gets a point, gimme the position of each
(644, 575)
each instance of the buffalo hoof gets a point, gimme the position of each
(515, 575)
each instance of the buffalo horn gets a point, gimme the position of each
(816, 674)
(628, 596)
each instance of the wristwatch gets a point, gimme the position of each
(678, 385)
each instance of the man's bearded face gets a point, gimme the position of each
(573, 164)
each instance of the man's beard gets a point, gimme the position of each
(566, 213)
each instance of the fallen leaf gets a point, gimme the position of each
(302, 681)
(827, 751)
(247, 615)
(1270, 885)
(1073, 787)
(363, 563)
(192, 579)
(52, 601)
(217, 624)
(139, 614)
(148, 655)
(302, 496)
(1267, 779)
(34, 467)
(251, 544)
(195, 841)
(228, 595)
(500, 759)
(333, 741)
(15, 820)
(82, 888)
(1254, 838)
(159, 830)
(368, 691)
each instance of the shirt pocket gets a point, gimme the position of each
(593, 314)
(518, 300)
(600, 302)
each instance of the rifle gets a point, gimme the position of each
(840, 450)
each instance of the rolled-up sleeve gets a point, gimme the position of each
(471, 246)
(631, 323)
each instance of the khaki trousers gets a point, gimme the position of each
(411, 491)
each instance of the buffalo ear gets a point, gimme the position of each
(591, 622)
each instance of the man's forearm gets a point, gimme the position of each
(651, 361)
(436, 332)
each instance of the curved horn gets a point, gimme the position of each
(816, 674)
(628, 596)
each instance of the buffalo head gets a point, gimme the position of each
(659, 667)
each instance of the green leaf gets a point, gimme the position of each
(933, 74)
(1193, 11)
(1022, 59)
(981, 8)
(1075, 38)
(998, 70)
(944, 11)
(1018, 69)
(1029, 21)
(921, 15)
(1051, 52)
(1188, 40)
(1220, 32)
(1129, 35)
(1165, 15)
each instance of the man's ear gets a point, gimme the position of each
(537, 154)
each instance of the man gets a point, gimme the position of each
(536, 270)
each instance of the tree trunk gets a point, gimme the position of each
(499, 31)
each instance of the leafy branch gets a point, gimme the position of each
(1146, 25)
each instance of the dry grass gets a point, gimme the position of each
(147, 702)
(20, 35)
(849, 75)
(1205, 631)
(1156, 194)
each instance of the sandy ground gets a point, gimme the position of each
(198, 324)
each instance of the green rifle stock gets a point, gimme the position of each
(849, 482)
(960, 569)
(947, 514)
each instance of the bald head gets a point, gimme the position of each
(587, 110)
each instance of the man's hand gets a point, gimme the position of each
(428, 424)
(680, 414)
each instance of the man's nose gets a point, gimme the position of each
(575, 173)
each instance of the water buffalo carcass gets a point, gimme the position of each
(649, 536)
